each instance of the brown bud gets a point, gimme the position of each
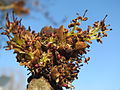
(84, 19)
(89, 41)
(80, 61)
(86, 60)
(4, 33)
(59, 32)
(79, 29)
(98, 40)
(96, 24)
(65, 30)
(79, 17)
(74, 20)
(105, 35)
(80, 45)
(54, 73)
(71, 25)
(77, 23)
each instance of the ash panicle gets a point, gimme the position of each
(55, 53)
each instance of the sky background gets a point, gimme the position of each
(103, 70)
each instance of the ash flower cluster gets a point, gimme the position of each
(55, 53)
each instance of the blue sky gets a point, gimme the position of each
(103, 70)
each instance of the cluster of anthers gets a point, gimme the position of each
(55, 53)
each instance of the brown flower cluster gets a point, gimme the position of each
(55, 53)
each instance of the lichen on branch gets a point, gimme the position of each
(55, 53)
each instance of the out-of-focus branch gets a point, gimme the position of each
(7, 7)
(16, 81)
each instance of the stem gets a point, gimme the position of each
(42, 84)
